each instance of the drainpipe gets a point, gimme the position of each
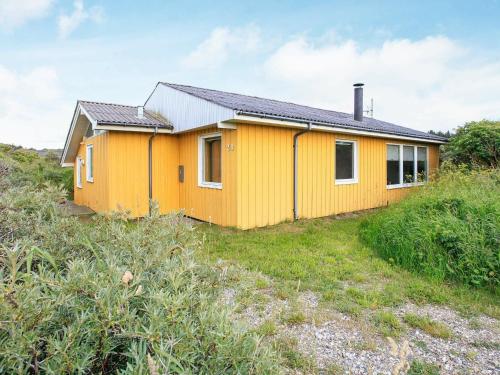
(295, 169)
(150, 168)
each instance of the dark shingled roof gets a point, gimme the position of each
(116, 114)
(252, 105)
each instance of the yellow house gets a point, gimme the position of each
(241, 161)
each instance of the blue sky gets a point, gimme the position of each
(427, 64)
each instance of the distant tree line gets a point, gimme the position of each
(446, 134)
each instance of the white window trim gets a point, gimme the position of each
(79, 179)
(355, 179)
(201, 144)
(89, 163)
(415, 161)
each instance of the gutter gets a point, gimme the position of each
(150, 168)
(295, 169)
(326, 127)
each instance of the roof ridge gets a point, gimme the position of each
(252, 96)
(105, 103)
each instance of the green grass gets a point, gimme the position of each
(295, 316)
(266, 328)
(388, 324)
(426, 324)
(423, 368)
(326, 256)
(291, 357)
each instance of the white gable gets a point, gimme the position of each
(184, 111)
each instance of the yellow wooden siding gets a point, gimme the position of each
(94, 194)
(257, 175)
(265, 175)
(217, 206)
(165, 172)
(129, 172)
(264, 191)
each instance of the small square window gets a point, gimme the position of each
(346, 170)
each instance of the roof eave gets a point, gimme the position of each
(320, 126)
(133, 127)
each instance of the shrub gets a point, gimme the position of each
(475, 144)
(110, 296)
(27, 166)
(448, 229)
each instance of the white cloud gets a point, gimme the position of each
(15, 13)
(432, 83)
(33, 111)
(69, 23)
(221, 44)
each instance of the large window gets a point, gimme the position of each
(89, 163)
(210, 161)
(406, 165)
(346, 170)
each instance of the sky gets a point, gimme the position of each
(426, 64)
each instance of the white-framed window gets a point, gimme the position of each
(210, 160)
(407, 165)
(79, 164)
(89, 163)
(346, 162)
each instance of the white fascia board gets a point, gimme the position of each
(70, 134)
(78, 111)
(129, 128)
(226, 125)
(324, 128)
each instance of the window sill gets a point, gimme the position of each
(79, 186)
(210, 185)
(346, 182)
(92, 180)
(402, 186)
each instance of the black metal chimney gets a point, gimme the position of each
(358, 101)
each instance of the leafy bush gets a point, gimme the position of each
(110, 296)
(475, 144)
(27, 166)
(448, 229)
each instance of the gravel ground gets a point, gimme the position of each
(332, 338)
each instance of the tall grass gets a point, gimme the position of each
(449, 229)
(110, 296)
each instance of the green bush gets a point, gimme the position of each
(110, 296)
(27, 166)
(448, 229)
(476, 143)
